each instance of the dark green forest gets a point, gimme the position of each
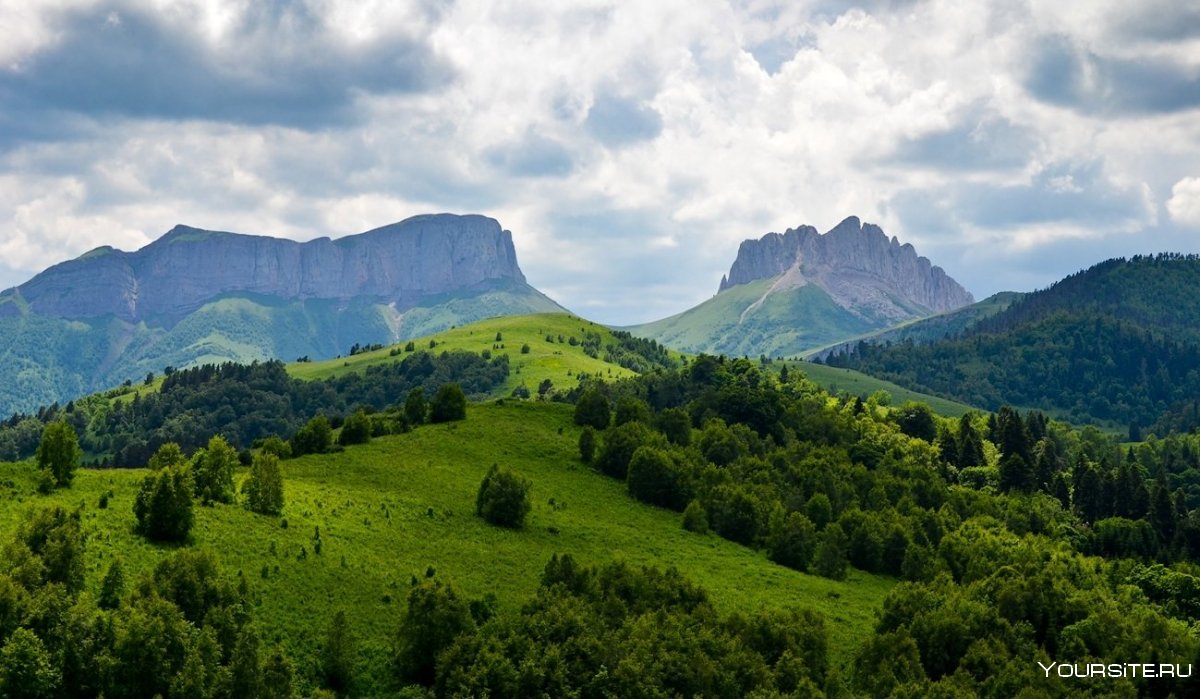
(1115, 344)
(242, 403)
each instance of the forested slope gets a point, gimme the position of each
(1118, 343)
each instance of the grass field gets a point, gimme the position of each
(834, 379)
(558, 361)
(392, 509)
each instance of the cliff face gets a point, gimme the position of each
(857, 265)
(397, 264)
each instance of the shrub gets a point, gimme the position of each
(313, 438)
(356, 429)
(448, 404)
(619, 445)
(654, 478)
(169, 454)
(829, 559)
(592, 409)
(278, 447)
(630, 409)
(415, 407)
(503, 498)
(793, 541)
(695, 519)
(587, 444)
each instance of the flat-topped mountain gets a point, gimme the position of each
(206, 296)
(794, 291)
(176, 274)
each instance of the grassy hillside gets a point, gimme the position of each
(835, 379)
(392, 509)
(559, 361)
(736, 323)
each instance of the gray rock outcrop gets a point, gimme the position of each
(396, 264)
(858, 265)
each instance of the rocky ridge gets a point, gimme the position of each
(861, 269)
(398, 264)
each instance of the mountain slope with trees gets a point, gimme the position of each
(1117, 344)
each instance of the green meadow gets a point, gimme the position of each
(403, 507)
(558, 361)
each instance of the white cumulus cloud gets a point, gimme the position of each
(1184, 204)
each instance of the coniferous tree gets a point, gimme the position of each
(947, 446)
(337, 655)
(1013, 434)
(163, 506)
(1089, 494)
(1015, 473)
(1162, 513)
(970, 444)
(113, 586)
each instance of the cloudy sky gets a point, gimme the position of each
(629, 146)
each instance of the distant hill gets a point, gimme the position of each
(1116, 344)
(539, 357)
(801, 290)
(196, 296)
(938, 327)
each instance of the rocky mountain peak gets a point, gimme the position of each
(857, 264)
(396, 264)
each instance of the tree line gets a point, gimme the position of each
(242, 403)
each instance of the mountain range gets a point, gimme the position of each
(1115, 344)
(196, 296)
(790, 293)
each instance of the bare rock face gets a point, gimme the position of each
(397, 264)
(863, 270)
